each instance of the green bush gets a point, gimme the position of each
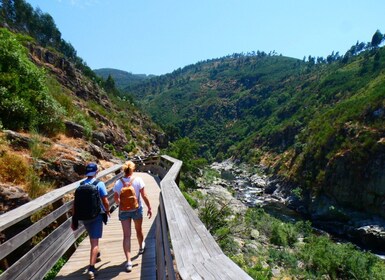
(129, 147)
(278, 235)
(259, 272)
(86, 122)
(226, 242)
(340, 261)
(214, 216)
(282, 257)
(61, 96)
(55, 269)
(193, 203)
(24, 99)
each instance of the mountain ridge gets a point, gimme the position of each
(307, 121)
(122, 78)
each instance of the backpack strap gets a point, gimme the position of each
(93, 183)
(129, 182)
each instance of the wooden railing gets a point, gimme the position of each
(179, 230)
(31, 221)
(184, 247)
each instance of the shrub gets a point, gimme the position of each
(282, 257)
(86, 122)
(259, 272)
(24, 99)
(226, 242)
(35, 187)
(193, 203)
(13, 168)
(340, 261)
(214, 216)
(62, 97)
(129, 147)
(278, 235)
(36, 147)
(55, 269)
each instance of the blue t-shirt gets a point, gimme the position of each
(102, 190)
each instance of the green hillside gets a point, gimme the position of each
(319, 122)
(122, 78)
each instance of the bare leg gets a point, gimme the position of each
(139, 231)
(126, 225)
(94, 251)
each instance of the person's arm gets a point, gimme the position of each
(147, 201)
(116, 190)
(116, 198)
(74, 222)
(106, 205)
(104, 197)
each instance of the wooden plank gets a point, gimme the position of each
(14, 243)
(173, 172)
(31, 261)
(178, 230)
(204, 273)
(184, 229)
(160, 261)
(224, 268)
(169, 263)
(51, 257)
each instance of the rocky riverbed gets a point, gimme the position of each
(244, 187)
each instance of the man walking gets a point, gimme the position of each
(90, 206)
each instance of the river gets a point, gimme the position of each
(256, 189)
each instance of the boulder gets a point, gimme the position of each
(74, 130)
(11, 197)
(17, 140)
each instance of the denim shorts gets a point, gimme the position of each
(135, 215)
(94, 227)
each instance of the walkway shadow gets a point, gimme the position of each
(103, 271)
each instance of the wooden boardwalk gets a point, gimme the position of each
(113, 259)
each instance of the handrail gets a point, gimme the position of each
(18, 228)
(184, 246)
(12, 217)
(197, 255)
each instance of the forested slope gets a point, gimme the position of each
(317, 122)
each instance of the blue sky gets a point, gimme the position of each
(159, 36)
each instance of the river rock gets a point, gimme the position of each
(370, 236)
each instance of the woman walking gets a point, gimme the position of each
(128, 192)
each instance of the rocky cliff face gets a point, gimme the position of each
(358, 185)
(62, 158)
(83, 89)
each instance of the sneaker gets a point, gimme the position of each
(91, 273)
(141, 250)
(128, 266)
(98, 259)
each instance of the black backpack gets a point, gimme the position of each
(87, 201)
